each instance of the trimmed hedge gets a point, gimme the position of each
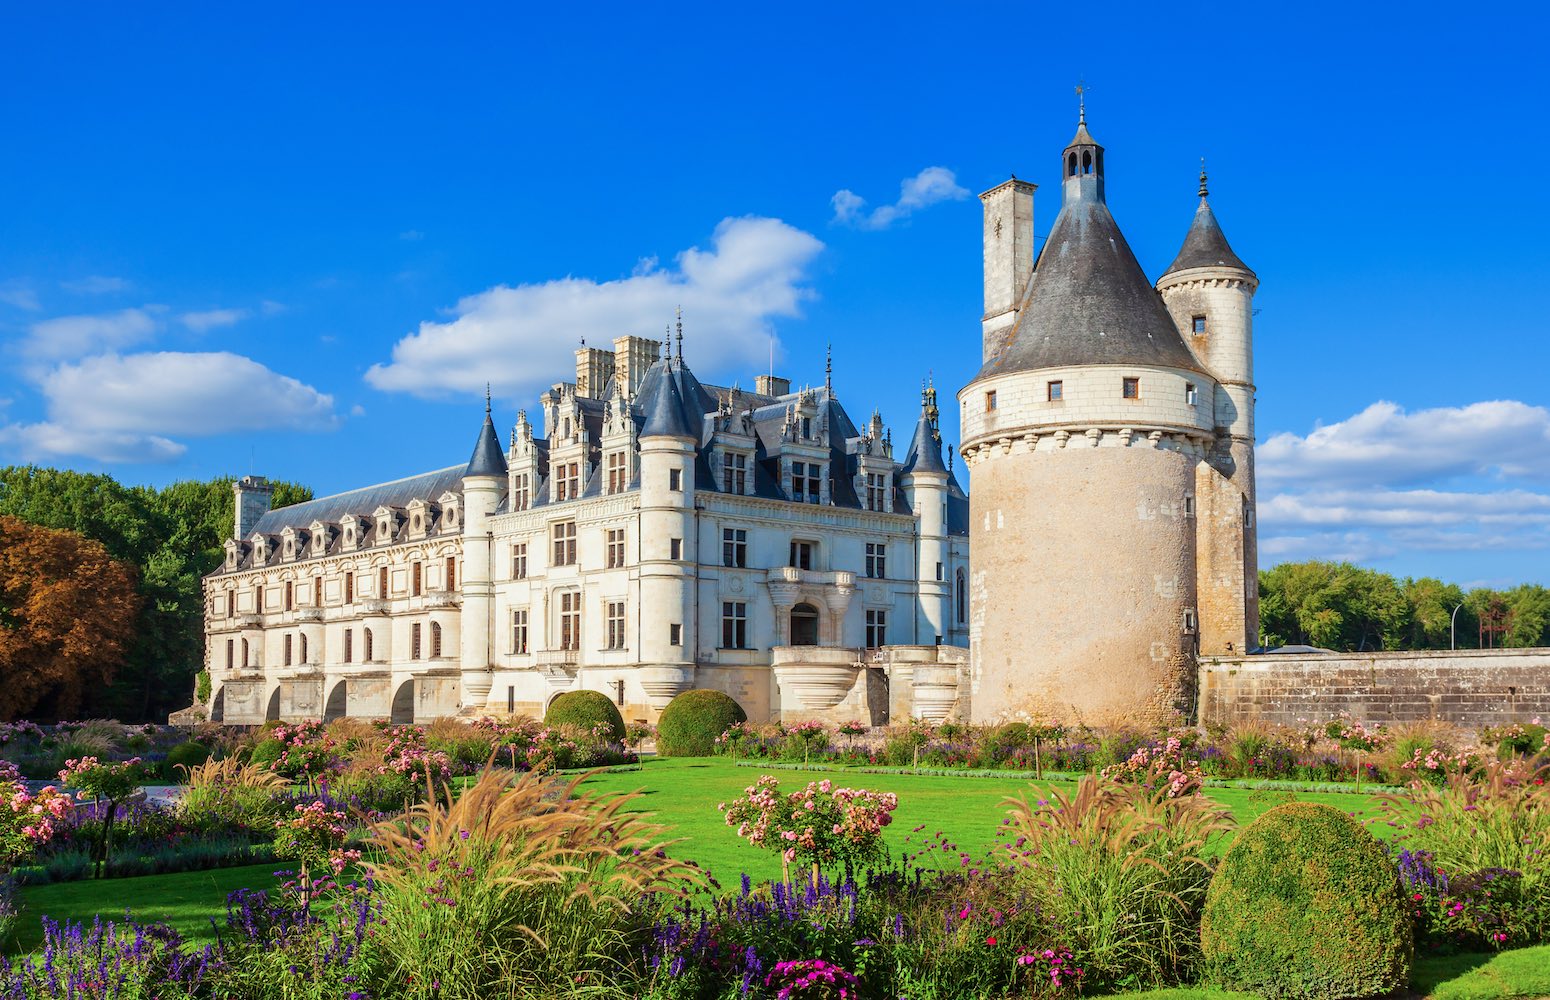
(189, 754)
(266, 751)
(691, 722)
(586, 709)
(1307, 905)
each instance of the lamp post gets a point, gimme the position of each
(1452, 628)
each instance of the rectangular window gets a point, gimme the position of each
(876, 560)
(519, 561)
(734, 625)
(675, 634)
(876, 492)
(290, 596)
(317, 592)
(939, 574)
(451, 572)
(521, 491)
(1191, 395)
(349, 645)
(675, 480)
(258, 599)
(675, 548)
(366, 642)
(564, 533)
(287, 650)
(618, 476)
(231, 655)
(511, 699)
(615, 624)
(876, 628)
(802, 555)
(414, 641)
(382, 582)
(567, 481)
(619, 693)
(418, 574)
(1131, 387)
(1198, 325)
(1057, 391)
(570, 619)
(519, 631)
(349, 588)
(615, 545)
(1189, 620)
(990, 400)
(1189, 505)
(734, 547)
(734, 473)
(806, 482)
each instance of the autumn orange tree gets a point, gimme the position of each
(67, 617)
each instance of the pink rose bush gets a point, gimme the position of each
(314, 838)
(1170, 768)
(818, 825)
(27, 819)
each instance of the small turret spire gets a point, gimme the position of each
(1203, 192)
(680, 334)
(487, 399)
(1081, 101)
(828, 369)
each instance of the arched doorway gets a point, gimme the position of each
(804, 625)
(272, 713)
(334, 708)
(218, 706)
(403, 704)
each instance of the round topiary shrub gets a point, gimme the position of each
(691, 722)
(586, 709)
(1306, 904)
(266, 752)
(189, 754)
(1013, 736)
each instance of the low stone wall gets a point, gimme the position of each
(1467, 687)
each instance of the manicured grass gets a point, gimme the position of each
(1521, 973)
(186, 900)
(683, 794)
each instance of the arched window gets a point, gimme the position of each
(804, 625)
(963, 598)
(435, 640)
(304, 648)
(244, 652)
(367, 633)
(1071, 165)
(1087, 162)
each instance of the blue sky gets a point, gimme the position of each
(299, 240)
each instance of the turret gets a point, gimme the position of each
(253, 495)
(1209, 292)
(483, 480)
(672, 404)
(924, 480)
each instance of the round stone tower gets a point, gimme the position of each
(1082, 431)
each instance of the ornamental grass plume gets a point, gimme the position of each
(1121, 869)
(228, 793)
(522, 887)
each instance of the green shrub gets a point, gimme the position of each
(187, 754)
(692, 721)
(586, 710)
(1013, 736)
(1306, 904)
(266, 752)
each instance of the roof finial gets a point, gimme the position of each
(1081, 101)
(828, 368)
(680, 334)
(1203, 192)
(487, 399)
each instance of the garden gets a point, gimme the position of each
(711, 859)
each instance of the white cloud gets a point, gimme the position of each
(1385, 445)
(75, 336)
(169, 392)
(210, 319)
(269, 307)
(1387, 482)
(20, 294)
(46, 442)
(927, 188)
(521, 339)
(96, 284)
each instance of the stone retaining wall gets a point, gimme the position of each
(1468, 687)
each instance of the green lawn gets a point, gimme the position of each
(186, 900)
(684, 793)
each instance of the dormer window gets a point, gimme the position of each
(451, 516)
(734, 473)
(567, 481)
(618, 472)
(521, 491)
(807, 427)
(807, 482)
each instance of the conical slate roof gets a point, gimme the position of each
(488, 459)
(1205, 245)
(672, 402)
(1089, 303)
(925, 454)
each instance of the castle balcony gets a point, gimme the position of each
(307, 614)
(247, 621)
(557, 658)
(440, 599)
(814, 678)
(373, 606)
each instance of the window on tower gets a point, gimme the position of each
(1197, 325)
(1191, 394)
(1057, 391)
(1131, 388)
(990, 400)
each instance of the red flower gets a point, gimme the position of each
(991, 941)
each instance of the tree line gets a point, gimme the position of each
(1344, 607)
(101, 606)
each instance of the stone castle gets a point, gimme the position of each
(657, 534)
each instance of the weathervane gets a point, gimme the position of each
(1081, 101)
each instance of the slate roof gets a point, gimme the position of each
(1205, 245)
(427, 486)
(488, 458)
(925, 454)
(1089, 302)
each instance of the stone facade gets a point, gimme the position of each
(1470, 688)
(651, 535)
